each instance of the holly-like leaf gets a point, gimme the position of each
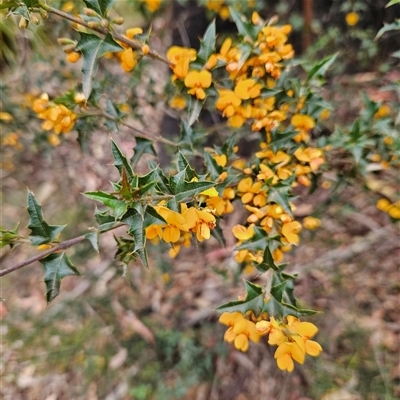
(207, 45)
(244, 27)
(8, 237)
(394, 26)
(195, 107)
(93, 47)
(183, 189)
(143, 146)
(183, 165)
(118, 207)
(93, 238)
(120, 161)
(135, 222)
(41, 232)
(212, 167)
(152, 217)
(321, 67)
(280, 140)
(279, 195)
(57, 266)
(100, 6)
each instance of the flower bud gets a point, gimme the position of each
(23, 23)
(93, 24)
(105, 23)
(89, 12)
(145, 49)
(69, 48)
(35, 19)
(43, 13)
(118, 21)
(65, 41)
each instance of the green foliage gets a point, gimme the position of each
(41, 231)
(56, 266)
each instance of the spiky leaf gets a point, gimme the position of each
(143, 146)
(118, 207)
(207, 44)
(100, 6)
(183, 189)
(57, 266)
(120, 161)
(93, 47)
(41, 231)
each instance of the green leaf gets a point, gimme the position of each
(320, 68)
(93, 238)
(280, 140)
(207, 45)
(136, 229)
(8, 237)
(392, 3)
(394, 26)
(212, 167)
(57, 266)
(267, 262)
(195, 107)
(41, 232)
(152, 217)
(100, 6)
(67, 99)
(143, 146)
(120, 161)
(93, 47)
(118, 207)
(244, 27)
(8, 4)
(183, 165)
(279, 195)
(183, 190)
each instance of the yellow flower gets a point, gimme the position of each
(290, 231)
(352, 18)
(221, 159)
(286, 353)
(178, 102)
(227, 102)
(311, 223)
(152, 5)
(175, 224)
(383, 204)
(302, 122)
(200, 222)
(247, 89)
(252, 192)
(5, 116)
(196, 81)
(383, 111)
(214, 5)
(128, 59)
(242, 233)
(131, 32)
(240, 330)
(181, 57)
(73, 57)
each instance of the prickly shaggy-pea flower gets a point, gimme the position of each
(247, 89)
(175, 224)
(227, 102)
(286, 353)
(311, 223)
(197, 81)
(290, 232)
(200, 222)
(180, 57)
(352, 18)
(242, 233)
(73, 57)
(240, 330)
(152, 5)
(252, 192)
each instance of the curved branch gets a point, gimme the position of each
(103, 31)
(61, 246)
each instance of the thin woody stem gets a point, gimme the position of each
(131, 43)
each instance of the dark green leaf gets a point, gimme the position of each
(183, 190)
(56, 266)
(120, 161)
(212, 167)
(136, 229)
(195, 107)
(143, 146)
(320, 68)
(394, 26)
(244, 27)
(8, 4)
(93, 47)
(41, 232)
(279, 195)
(207, 45)
(280, 140)
(93, 238)
(100, 6)
(151, 217)
(183, 165)
(118, 207)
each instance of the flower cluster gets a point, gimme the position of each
(393, 209)
(180, 227)
(290, 335)
(57, 117)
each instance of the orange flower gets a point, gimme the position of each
(197, 81)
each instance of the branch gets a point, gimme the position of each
(102, 31)
(61, 246)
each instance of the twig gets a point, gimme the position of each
(103, 31)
